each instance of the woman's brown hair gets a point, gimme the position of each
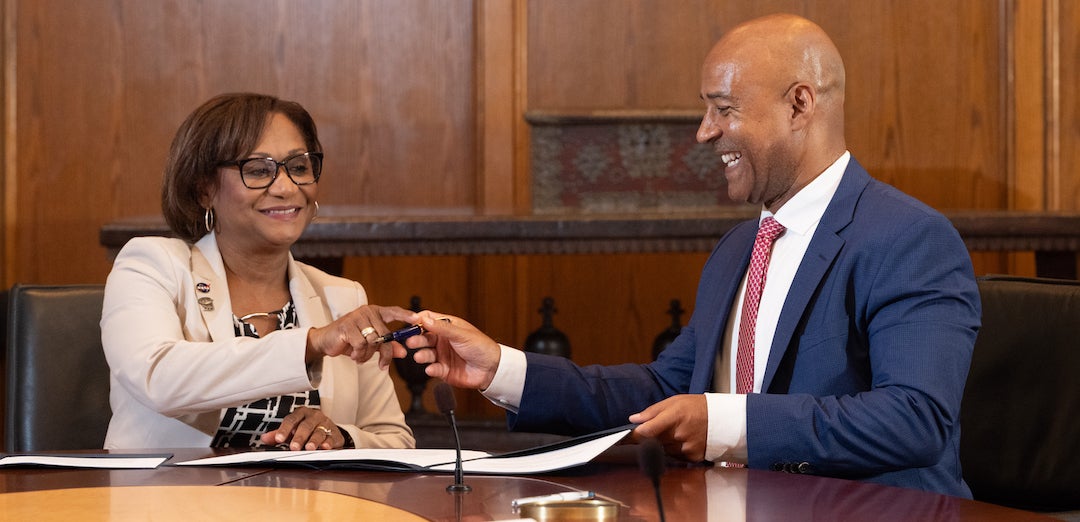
(225, 128)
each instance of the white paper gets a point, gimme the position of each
(414, 457)
(540, 462)
(89, 461)
(247, 457)
(440, 460)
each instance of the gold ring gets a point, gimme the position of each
(325, 430)
(367, 331)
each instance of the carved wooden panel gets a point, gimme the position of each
(924, 79)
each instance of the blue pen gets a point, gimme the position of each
(401, 335)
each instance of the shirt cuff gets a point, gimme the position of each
(726, 440)
(509, 382)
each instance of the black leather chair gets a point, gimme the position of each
(1020, 417)
(57, 379)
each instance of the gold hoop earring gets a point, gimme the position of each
(208, 219)
(316, 210)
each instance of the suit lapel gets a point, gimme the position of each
(820, 254)
(310, 310)
(721, 291)
(211, 289)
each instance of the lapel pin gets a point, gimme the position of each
(207, 304)
(203, 287)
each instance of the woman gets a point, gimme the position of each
(220, 337)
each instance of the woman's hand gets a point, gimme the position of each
(306, 428)
(353, 334)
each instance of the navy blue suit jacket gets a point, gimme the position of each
(868, 361)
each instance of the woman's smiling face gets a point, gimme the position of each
(267, 219)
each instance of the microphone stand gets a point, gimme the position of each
(444, 398)
(459, 485)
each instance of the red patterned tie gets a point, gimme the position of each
(755, 281)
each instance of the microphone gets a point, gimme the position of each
(444, 399)
(651, 460)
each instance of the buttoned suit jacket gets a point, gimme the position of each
(868, 361)
(176, 364)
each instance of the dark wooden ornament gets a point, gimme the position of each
(668, 336)
(547, 339)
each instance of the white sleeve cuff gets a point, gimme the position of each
(509, 382)
(726, 440)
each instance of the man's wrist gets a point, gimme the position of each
(508, 383)
(492, 372)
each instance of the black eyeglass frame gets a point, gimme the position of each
(279, 165)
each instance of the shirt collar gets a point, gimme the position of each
(801, 213)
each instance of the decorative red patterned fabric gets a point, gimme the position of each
(769, 230)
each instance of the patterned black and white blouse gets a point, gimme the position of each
(242, 426)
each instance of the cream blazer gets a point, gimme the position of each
(176, 364)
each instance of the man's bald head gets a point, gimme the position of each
(774, 87)
(786, 49)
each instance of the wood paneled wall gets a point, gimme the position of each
(97, 88)
(966, 104)
(1063, 110)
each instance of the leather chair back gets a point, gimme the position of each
(57, 378)
(1020, 416)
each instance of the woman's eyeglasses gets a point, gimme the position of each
(258, 173)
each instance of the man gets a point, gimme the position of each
(842, 350)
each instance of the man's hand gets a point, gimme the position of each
(680, 423)
(459, 354)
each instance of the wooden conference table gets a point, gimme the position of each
(690, 493)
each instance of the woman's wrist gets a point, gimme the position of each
(349, 442)
(311, 354)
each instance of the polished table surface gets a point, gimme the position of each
(689, 492)
(189, 503)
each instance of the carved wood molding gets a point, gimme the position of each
(344, 235)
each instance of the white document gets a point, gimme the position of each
(540, 462)
(102, 461)
(404, 458)
(566, 454)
